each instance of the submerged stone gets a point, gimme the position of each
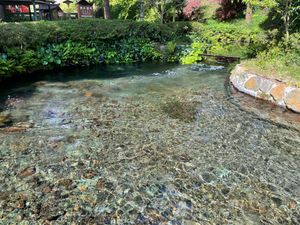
(27, 172)
(5, 120)
(166, 149)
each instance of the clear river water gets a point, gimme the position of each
(145, 144)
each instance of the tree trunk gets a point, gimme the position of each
(249, 13)
(34, 11)
(286, 19)
(142, 10)
(106, 6)
(162, 13)
(2, 16)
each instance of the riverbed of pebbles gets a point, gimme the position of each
(117, 152)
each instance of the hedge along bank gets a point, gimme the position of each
(31, 46)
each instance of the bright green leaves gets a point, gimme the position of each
(194, 53)
(261, 3)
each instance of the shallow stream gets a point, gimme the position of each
(145, 144)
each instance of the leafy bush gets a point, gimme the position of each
(73, 53)
(194, 53)
(35, 34)
(8, 67)
(286, 53)
(280, 61)
(134, 50)
(43, 45)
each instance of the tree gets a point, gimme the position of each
(289, 10)
(253, 3)
(191, 7)
(124, 9)
(164, 6)
(71, 8)
(230, 9)
(106, 6)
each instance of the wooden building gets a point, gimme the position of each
(85, 9)
(24, 9)
(53, 12)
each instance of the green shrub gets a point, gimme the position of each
(194, 53)
(47, 44)
(35, 34)
(73, 53)
(280, 61)
(8, 67)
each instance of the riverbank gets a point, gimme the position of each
(273, 90)
(94, 41)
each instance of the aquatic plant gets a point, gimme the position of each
(180, 109)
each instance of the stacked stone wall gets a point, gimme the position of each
(271, 90)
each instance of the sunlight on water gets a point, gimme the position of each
(145, 144)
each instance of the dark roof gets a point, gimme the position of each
(84, 2)
(25, 2)
(52, 6)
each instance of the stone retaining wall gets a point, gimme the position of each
(274, 91)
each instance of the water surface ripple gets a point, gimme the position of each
(149, 144)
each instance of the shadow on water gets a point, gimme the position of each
(76, 73)
(22, 86)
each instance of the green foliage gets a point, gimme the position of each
(71, 8)
(260, 3)
(293, 44)
(194, 53)
(171, 47)
(125, 9)
(8, 67)
(33, 35)
(286, 53)
(73, 53)
(44, 45)
(130, 51)
(229, 39)
(281, 61)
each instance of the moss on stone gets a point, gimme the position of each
(182, 110)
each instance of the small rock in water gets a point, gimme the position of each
(5, 120)
(27, 172)
(13, 102)
(46, 189)
(100, 184)
(208, 177)
(57, 139)
(24, 125)
(88, 94)
(14, 129)
(4, 195)
(67, 183)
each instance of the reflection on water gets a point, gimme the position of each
(147, 144)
